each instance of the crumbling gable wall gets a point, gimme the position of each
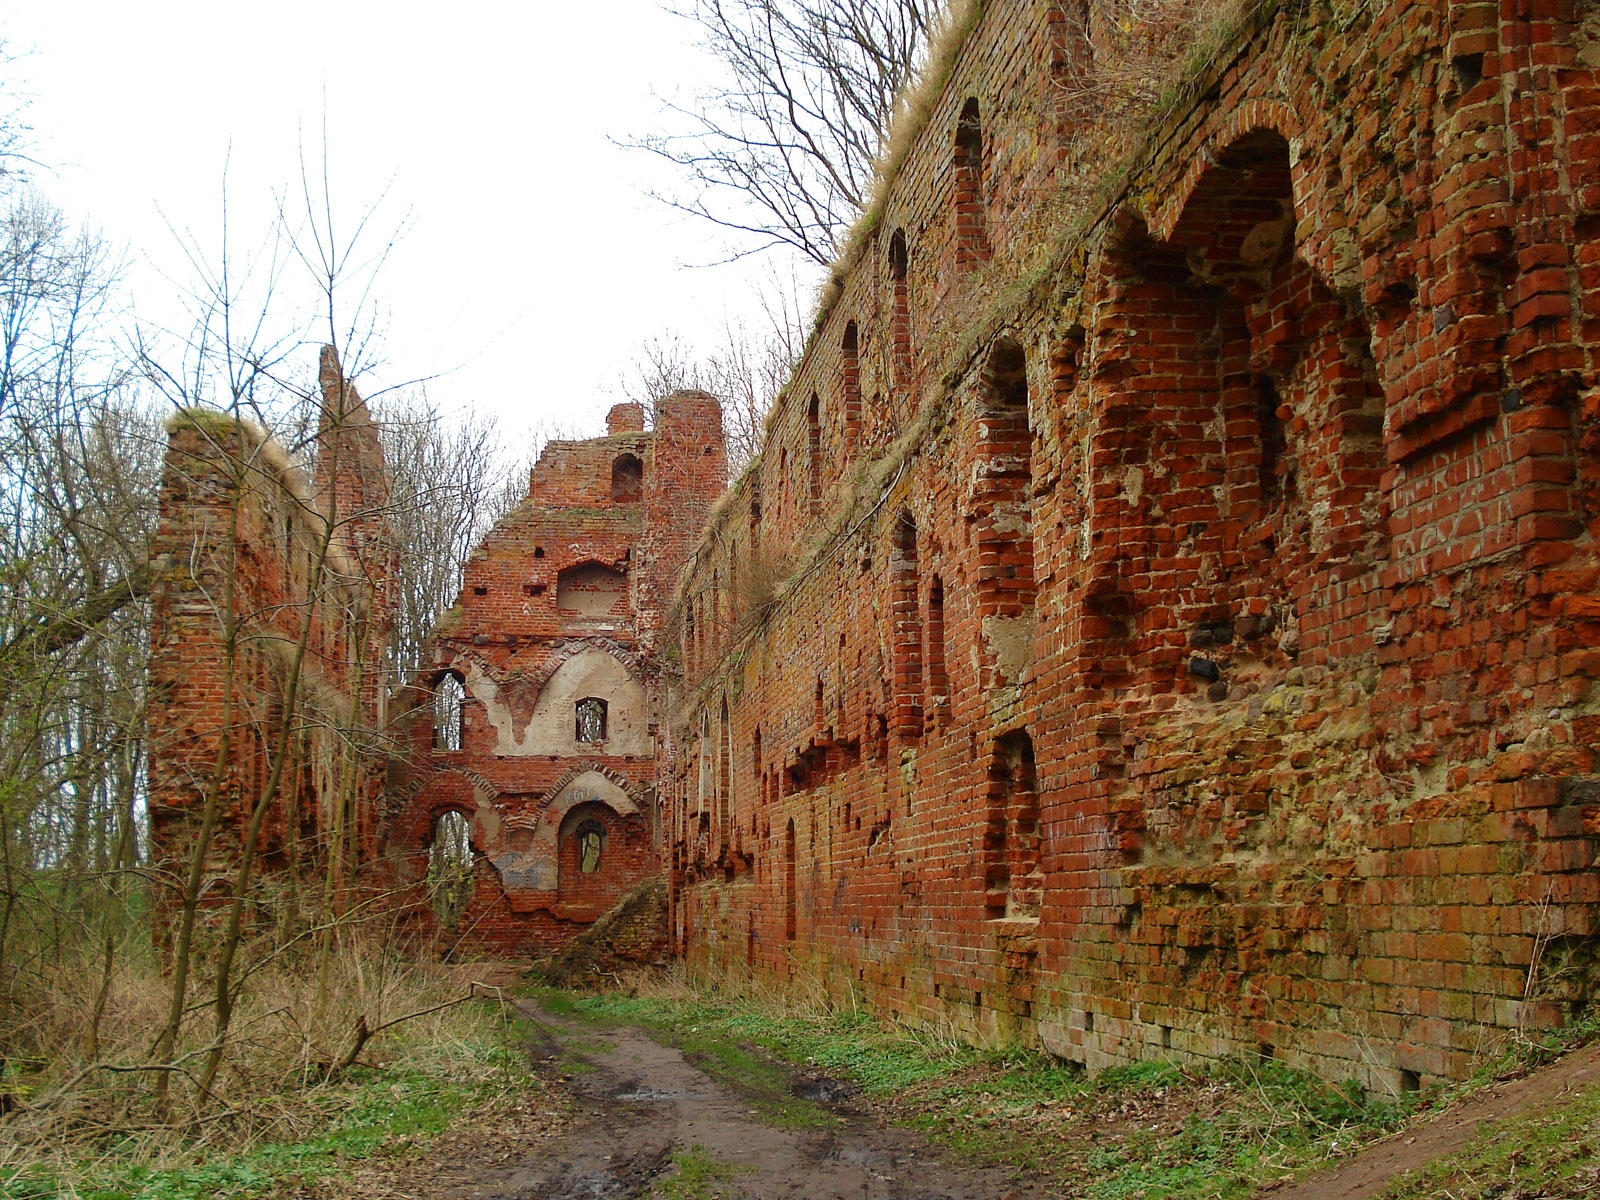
(561, 611)
(271, 610)
(1163, 619)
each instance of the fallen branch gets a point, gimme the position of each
(364, 1033)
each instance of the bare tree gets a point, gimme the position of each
(449, 487)
(746, 368)
(784, 151)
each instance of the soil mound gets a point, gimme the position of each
(632, 933)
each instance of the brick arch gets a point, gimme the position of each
(1257, 116)
(590, 766)
(632, 662)
(451, 789)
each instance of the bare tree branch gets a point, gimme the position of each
(786, 149)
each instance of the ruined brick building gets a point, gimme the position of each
(548, 692)
(270, 583)
(1163, 620)
(534, 736)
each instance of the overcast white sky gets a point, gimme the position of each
(533, 264)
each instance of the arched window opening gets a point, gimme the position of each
(1013, 881)
(591, 719)
(850, 383)
(972, 240)
(1002, 497)
(449, 711)
(938, 678)
(789, 899)
(900, 328)
(591, 838)
(450, 880)
(814, 454)
(627, 479)
(906, 616)
(725, 775)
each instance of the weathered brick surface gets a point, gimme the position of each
(235, 555)
(1163, 620)
(563, 602)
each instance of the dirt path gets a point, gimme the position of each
(1367, 1173)
(642, 1103)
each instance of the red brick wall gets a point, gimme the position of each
(1258, 715)
(250, 559)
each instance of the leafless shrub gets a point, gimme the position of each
(80, 1050)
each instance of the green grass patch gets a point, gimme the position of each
(1146, 1131)
(1551, 1154)
(365, 1111)
(699, 1172)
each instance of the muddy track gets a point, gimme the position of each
(642, 1103)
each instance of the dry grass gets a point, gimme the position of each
(82, 1097)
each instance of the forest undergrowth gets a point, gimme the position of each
(329, 1058)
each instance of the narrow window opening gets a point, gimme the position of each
(449, 711)
(1002, 509)
(900, 341)
(938, 679)
(906, 616)
(590, 719)
(1013, 882)
(789, 898)
(1274, 442)
(972, 240)
(850, 383)
(538, 551)
(450, 880)
(814, 454)
(627, 479)
(725, 776)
